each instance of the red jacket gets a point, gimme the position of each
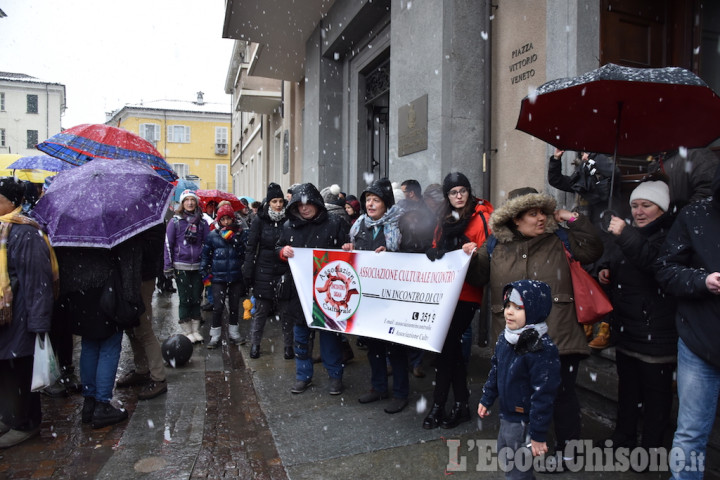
(476, 232)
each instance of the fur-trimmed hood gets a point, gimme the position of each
(501, 219)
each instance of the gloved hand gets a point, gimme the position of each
(435, 253)
(169, 274)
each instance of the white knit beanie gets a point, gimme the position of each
(188, 193)
(657, 192)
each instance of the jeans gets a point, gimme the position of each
(147, 353)
(98, 366)
(263, 309)
(514, 436)
(234, 292)
(330, 351)
(698, 385)
(190, 288)
(378, 353)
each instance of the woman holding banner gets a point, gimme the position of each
(310, 226)
(527, 247)
(463, 224)
(377, 229)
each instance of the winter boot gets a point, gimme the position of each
(187, 330)
(458, 414)
(105, 415)
(235, 337)
(215, 333)
(435, 417)
(602, 339)
(588, 332)
(197, 338)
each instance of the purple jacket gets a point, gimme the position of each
(183, 252)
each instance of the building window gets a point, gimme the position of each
(2, 137)
(150, 132)
(178, 134)
(32, 104)
(221, 140)
(181, 169)
(221, 177)
(32, 138)
(2, 101)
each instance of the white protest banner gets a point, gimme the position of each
(399, 297)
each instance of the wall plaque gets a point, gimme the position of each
(412, 126)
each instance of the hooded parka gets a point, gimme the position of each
(517, 257)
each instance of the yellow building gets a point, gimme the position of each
(192, 136)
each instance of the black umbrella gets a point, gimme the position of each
(623, 110)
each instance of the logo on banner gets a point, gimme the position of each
(337, 290)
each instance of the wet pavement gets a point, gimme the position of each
(228, 416)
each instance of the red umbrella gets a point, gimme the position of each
(217, 196)
(634, 110)
(80, 144)
(623, 110)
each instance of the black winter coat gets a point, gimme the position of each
(366, 239)
(322, 231)
(28, 263)
(224, 258)
(690, 253)
(84, 272)
(262, 265)
(644, 316)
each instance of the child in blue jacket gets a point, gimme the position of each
(525, 373)
(222, 259)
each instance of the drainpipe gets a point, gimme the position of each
(487, 95)
(47, 112)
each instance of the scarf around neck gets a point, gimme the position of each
(6, 295)
(389, 222)
(512, 336)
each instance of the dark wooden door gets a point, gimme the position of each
(634, 33)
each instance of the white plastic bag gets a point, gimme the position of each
(45, 365)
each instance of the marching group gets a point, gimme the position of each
(660, 268)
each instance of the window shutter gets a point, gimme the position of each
(170, 134)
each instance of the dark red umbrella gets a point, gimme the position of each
(623, 110)
(82, 143)
(217, 196)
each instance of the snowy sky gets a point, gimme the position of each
(108, 54)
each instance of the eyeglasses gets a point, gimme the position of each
(457, 193)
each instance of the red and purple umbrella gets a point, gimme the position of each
(102, 203)
(82, 143)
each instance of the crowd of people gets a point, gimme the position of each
(659, 266)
